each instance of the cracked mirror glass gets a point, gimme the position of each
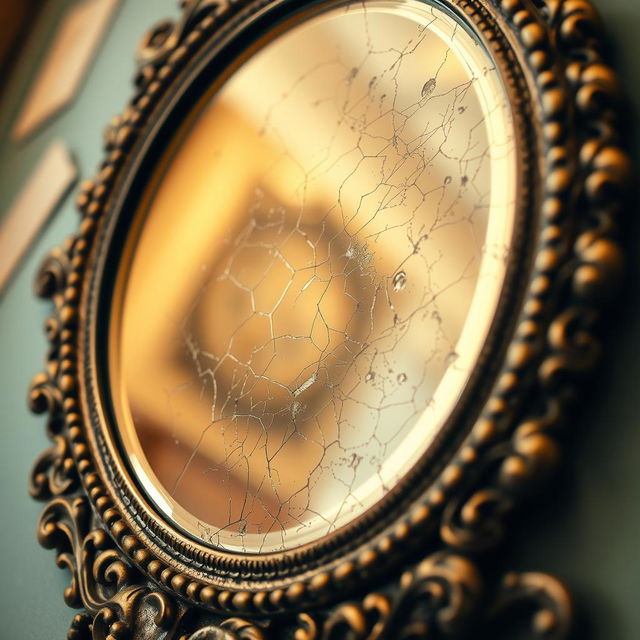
(312, 274)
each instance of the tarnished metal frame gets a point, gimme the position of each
(135, 576)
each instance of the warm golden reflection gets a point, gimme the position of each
(316, 271)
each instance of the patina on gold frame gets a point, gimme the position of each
(420, 567)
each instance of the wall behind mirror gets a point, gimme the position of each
(586, 533)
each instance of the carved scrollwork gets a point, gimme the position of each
(165, 38)
(368, 620)
(119, 604)
(97, 572)
(54, 473)
(166, 43)
(45, 397)
(442, 598)
(549, 603)
(438, 598)
(52, 275)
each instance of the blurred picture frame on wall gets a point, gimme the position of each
(65, 64)
(42, 193)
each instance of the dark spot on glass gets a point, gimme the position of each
(429, 87)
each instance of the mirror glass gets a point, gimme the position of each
(312, 274)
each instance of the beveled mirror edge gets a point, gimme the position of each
(107, 580)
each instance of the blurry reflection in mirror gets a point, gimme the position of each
(313, 275)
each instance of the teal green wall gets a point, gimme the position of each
(31, 586)
(588, 531)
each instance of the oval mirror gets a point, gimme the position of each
(331, 292)
(316, 267)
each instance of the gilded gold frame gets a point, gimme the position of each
(421, 566)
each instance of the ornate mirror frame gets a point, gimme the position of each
(422, 567)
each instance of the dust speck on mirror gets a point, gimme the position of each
(317, 272)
